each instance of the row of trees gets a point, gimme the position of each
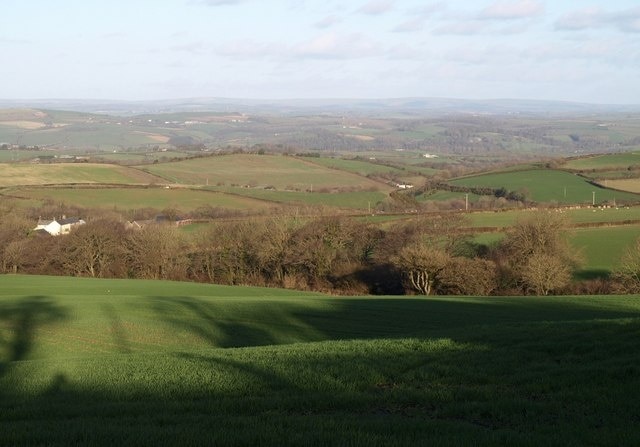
(430, 255)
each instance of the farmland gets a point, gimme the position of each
(183, 199)
(546, 185)
(89, 360)
(283, 173)
(33, 174)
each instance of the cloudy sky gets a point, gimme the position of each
(576, 50)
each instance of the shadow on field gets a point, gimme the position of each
(19, 322)
(441, 371)
(253, 323)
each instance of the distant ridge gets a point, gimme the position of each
(391, 106)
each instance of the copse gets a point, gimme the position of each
(535, 257)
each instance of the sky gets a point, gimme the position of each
(569, 50)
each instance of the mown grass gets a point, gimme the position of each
(545, 185)
(103, 362)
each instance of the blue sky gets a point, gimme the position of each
(586, 51)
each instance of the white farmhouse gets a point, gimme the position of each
(57, 227)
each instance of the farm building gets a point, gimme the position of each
(57, 227)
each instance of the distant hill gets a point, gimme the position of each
(392, 106)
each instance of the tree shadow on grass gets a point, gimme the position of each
(255, 323)
(19, 323)
(573, 383)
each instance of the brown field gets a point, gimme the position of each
(154, 136)
(629, 184)
(30, 125)
(65, 173)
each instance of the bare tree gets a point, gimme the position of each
(545, 273)
(627, 275)
(535, 250)
(94, 248)
(422, 266)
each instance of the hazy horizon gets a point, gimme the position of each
(567, 51)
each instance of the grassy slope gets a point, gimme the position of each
(33, 174)
(143, 362)
(546, 185)
(132, 198)
(262, 170)
(607, 161)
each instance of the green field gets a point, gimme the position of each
(359, 167)
(65, 173)
(607, 161)
(182, 199)
(280, 172)
(544, 185)
(574, 216)
(104, 362)
(353, 200)
(603, 247)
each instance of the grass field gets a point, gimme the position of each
(104, 362)
(356, 166)
(544, 185)
(182, 199)
(354, 200)
(260, 170)
(61, 173)
(607, 161)
(601, 248)
(573, 216)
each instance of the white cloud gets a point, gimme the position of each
(328, 21)
(509, 10)
(410, 26)
(627, 21)
(376, 7)
(221, 2)
(463, 27)
(336, 46)
(581, 19)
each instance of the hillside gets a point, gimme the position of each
(120, 361)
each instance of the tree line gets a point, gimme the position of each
(426, 255)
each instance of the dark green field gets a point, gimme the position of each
(108, 362)
(546, 185)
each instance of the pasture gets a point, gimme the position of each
(362, 200)
(182, 199)
(548, 186)
(606, 161)
(280, 172)
(104, 362)
(359, 167)
(586, 215)
(66, 173)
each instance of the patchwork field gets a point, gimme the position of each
(106, 362)
(607, 161)
(362, 200)
(280, 172)
(40, 174)
(574, 216)
(181, 199)
(545, 185)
